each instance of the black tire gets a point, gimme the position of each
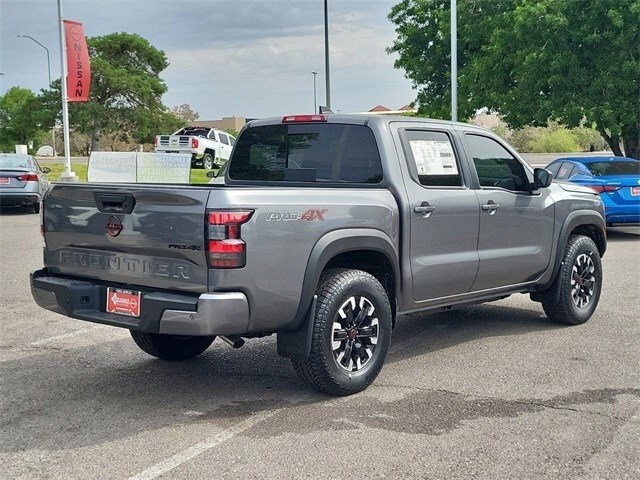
(580, 254)
(35, 208)
(335, 290)
(207, 161)
(171, 347)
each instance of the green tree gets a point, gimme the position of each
(20, 122)
(574, 62)
(125, 94)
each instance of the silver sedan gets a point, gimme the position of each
(22, 181)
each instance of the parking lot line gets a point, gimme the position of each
(209, 443)
(65, 335)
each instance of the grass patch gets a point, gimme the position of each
(57, 169)
(198, 175)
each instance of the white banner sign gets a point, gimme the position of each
(164, 167)
(139, 167)
(107, 167)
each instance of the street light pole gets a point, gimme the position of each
(315, 98)
(326, 55)
(454, 61)
(53, 135)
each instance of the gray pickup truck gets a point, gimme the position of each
(325, 229)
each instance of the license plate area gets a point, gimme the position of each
(4, 180)
(635, 191)
(123, 302)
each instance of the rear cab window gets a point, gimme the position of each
(307, 152)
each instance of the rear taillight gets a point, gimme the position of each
(604, 188)
(225, 247)
(194, 143)
(28, 177)
(304, 118)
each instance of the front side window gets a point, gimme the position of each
(553, 168)
(434, 158)
(495, 166)
(307, 152)
(223, 138)
(565, 171)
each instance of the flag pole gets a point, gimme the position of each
(68, 174)
(454, 61)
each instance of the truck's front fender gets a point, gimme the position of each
(588, 218)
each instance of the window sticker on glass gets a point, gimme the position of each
(434, 157)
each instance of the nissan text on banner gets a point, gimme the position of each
(78, 67)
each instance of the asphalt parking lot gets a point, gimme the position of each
(489, 391)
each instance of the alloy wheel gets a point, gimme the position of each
(355, 333)
(583, 280)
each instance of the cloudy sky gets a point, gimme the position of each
(245, 58)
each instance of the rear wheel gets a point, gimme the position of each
(35, 208)
(207, 161)
(351, 333)
(580, 278)
(171, 347)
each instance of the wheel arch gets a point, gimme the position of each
(580, 222)
(370, 250)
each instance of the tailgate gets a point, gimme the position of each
(147, 235)
(174, 141)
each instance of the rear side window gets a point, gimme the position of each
(434, 158)
(334, 153)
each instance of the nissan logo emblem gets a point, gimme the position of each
(114, 226)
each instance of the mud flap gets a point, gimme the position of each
(551, 294)
(296, 345)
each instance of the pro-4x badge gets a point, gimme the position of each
(309, 215)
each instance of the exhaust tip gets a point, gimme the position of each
(232, 340)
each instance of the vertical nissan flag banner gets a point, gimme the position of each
(78, 67)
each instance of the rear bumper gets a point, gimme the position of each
(19, 198)
(217, 313)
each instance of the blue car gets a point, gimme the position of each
(616, 179)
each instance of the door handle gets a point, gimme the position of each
(490, 207)
(424, 209)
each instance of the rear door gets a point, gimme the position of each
(444, 213)
(225, 146)
(516, 227)
(141, 235)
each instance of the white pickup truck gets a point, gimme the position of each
(207, 146)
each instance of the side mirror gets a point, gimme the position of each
(541, 178)
(212, 174)
(45, 170)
